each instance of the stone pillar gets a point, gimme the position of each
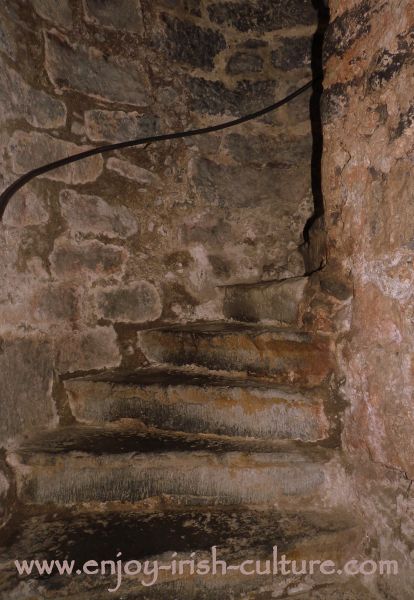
(368, 193)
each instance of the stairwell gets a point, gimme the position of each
(227, 437)
(169, 378)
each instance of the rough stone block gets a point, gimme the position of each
(25, 209)
(293, 53)
(88, 349)
(135, 303)
(283, 151)
(26, 375)
(245, 185)
(92, 258)
(214, 98)
(266, 15)
(118, 126)
(55, 303)
(191, 44)
(116, 14)
(59, 12)
(20, 101)
(127, 169)
(244, 62)
(91, 214)
(88, 72)
(272, 301)
(31, 150)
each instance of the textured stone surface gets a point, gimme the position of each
(242, 62)
(373, 237)
(293, 53)
(283, 355)
(26, 209)
(31, 150)
(117, 14)
(213, 97)
(242, 186)
(89, 73)
(118, 126)
(133, 172)
(347, 28)
(141, 535)
(95, 259)
(90, 349)
(174, 401)
(91, 214)
(186, 190)
(271, 301)
(57, 11)
(8, 43)
(279, 152)
(191, 44)
(231, 478)
(35, 106)
(367, 184)
(267, 15)
(196, 196)
(26, 373)
(137, 303)
(54, 303)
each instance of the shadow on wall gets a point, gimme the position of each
(315, 221)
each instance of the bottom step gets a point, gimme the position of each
(239, 535)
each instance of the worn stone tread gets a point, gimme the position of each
(124, 437)
(200, 403)
(283, 479)
(233, 326)
(140, 535)
(286, 355)
(166, 375)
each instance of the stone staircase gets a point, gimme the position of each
(228, 437)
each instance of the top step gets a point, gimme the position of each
(267, 301)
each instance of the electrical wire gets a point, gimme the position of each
(11, 190)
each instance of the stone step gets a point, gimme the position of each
(285, 356)
(283, 479)
(238, 535)
(276, 301)
(128, 435)
(174, 401)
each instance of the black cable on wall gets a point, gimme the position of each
(9, 192)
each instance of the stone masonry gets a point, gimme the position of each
(190, 355)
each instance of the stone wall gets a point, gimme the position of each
(93, 250)
(367, 184)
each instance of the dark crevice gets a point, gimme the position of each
(315, 114)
